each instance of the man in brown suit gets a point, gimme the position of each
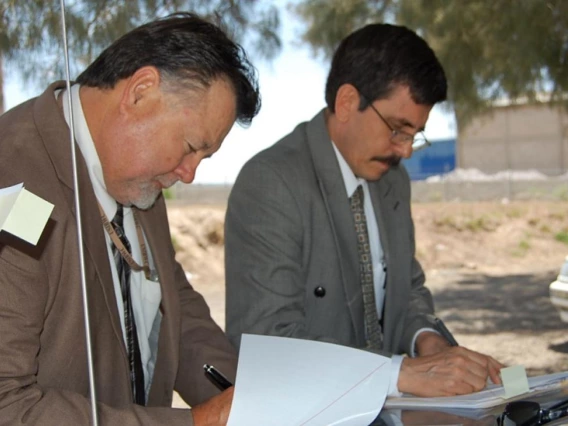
(146, 112)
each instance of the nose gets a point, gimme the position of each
(404, 150)
(186, 169)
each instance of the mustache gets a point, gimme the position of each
(167, 183)
(391, 160)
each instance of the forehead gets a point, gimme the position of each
(211, 111)
(399, 106)
(218, 94)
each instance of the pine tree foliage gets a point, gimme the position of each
(31, 37)
(490, 49)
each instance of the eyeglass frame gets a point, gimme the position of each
(418, 137)
(541, 415)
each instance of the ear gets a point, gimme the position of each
(142, 87)
(346, 102)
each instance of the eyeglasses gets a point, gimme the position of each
(529, 413)
(398, 137)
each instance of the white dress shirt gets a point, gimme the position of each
(377, 255)
(146, 295)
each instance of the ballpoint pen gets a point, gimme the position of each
(216, 377)
(441, 327)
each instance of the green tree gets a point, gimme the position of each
(489, 48)
(31, 36)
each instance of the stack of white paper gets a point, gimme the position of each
(492, 396)
(293, 382)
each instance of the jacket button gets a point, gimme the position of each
(319, 291)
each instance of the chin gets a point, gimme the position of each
(145, 199)
(374, 175)
(145, 203)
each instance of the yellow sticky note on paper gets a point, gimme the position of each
(22, 213)
(515, 381)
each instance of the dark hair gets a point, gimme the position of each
(379, 57)
(186, 50)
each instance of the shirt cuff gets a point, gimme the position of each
(396, 363)
(412, 353)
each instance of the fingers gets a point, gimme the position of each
(480, 364)
(437, 380)
(454, 371)
(495, 370)
(491, 367)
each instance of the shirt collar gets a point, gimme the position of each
(87, 147)
(349, 179)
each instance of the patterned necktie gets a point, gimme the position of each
(123, 269)
(373, 331)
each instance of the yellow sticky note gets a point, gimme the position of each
(514, 380)
(23, 214)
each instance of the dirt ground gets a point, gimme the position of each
(488, 266)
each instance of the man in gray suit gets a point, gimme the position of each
(146, 112)
(319, 234)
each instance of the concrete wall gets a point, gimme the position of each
(516, 138)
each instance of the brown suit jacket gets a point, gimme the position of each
(43, 361)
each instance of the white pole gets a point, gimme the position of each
(79, 223)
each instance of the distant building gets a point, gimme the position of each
(516, 137)
(439, 158)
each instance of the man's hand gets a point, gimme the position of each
(453, 371)
(215, 411)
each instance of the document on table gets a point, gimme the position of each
(490, 397)
(22, 213)
(294, 382)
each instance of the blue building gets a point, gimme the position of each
(437, 159)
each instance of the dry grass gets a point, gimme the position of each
(488, 265)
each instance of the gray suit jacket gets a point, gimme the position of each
(289, 230)
(43, 367)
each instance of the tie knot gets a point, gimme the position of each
(357, 198)
(118, 220)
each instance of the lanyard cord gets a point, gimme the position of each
(150, 275)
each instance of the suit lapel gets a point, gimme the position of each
(385, 203)
(338, 210)
(55, 135)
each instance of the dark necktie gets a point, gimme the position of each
(123, 269)
(373, 331)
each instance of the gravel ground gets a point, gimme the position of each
(488, 266)
(507, 316)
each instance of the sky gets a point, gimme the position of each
(292, 89)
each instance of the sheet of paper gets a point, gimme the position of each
(22, 213)
(293, 382)
(491, 396)
(8, 197)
